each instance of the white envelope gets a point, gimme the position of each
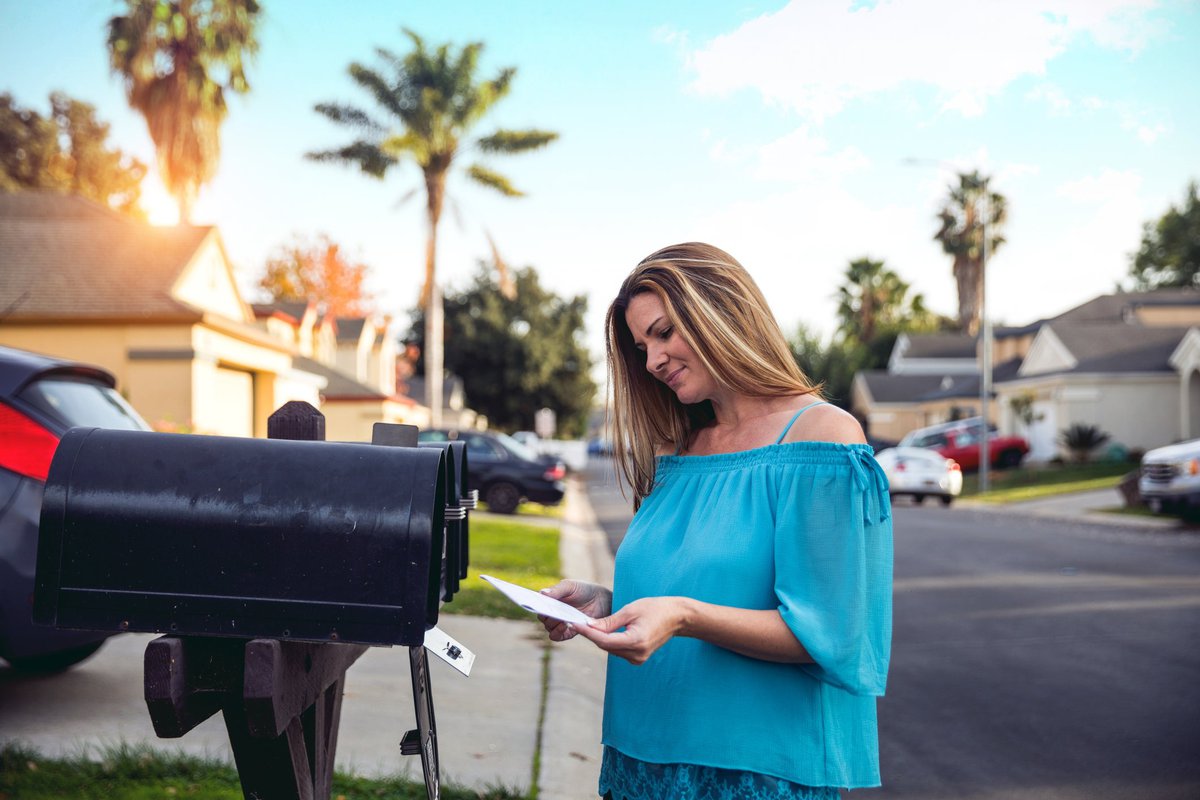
(539, 603)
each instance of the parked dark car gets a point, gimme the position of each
(503, 470)
(40, 398)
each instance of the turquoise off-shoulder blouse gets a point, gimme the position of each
(802, 527)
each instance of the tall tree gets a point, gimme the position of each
(1170, 251)
(520, 354)
(432, 100)
(320, 272)
(67, 151)
(961, 233)
(177, 59)
(873, 298)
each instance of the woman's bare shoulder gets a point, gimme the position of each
(826, 423)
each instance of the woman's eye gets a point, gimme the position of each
(665, 333)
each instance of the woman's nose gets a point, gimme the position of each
(655, 359)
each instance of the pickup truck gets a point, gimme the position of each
(1170, 477)
(961, 442)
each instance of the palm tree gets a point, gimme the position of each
(177, 58)
(961, 234)
(432, 100)
(873, 297)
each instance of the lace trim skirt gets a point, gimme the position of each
(626, 778)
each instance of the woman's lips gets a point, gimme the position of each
(673, 378)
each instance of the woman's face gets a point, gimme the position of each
(668, 357)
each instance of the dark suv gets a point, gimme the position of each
(40, 398)
(503, 470)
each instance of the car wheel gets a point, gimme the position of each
(502, 497)
(918, 499)
(947, 499)
(54, 662)
(1009, 459)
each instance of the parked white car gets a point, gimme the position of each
(920, 472)
(1170, 478)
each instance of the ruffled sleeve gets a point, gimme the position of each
(833, 569)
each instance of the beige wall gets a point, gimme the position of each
(1168, 316)
(1010, 347)
(1136, 411)
(353, 420)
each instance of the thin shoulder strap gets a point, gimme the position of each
(795, 417)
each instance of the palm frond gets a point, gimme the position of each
(493, 180)
(506, 141)
(366, 155)
(349, 115)
(374, 83)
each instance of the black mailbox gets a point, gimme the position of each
(459, 501)
(222, 536)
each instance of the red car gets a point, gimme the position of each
(961, 441)
(40, 398)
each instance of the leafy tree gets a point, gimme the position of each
(177, 59)
(518, 355)
(1170, 251)
(961, 235)
(432, 100)
(66, 151)
(873, 299)
(832, 364)
(318, 271)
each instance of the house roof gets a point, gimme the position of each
(349, 328)
(886, 387)
(1099, 347)
(339, 386)
(1115, 307)
(293, 310)
(968, 385)
(940, 345)
(64, 256)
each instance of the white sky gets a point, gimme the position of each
(777, 131)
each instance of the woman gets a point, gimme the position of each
(752, 592)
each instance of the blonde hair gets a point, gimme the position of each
(717, 308)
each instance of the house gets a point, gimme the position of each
(1128, 363)
(355, 358)
(158, 307)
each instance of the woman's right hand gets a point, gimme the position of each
(590, 598)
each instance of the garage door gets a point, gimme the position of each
(233, 396)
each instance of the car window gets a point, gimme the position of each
(480, 447)
(432, 436)
(931, 440)
(515, 447)
(76, 401)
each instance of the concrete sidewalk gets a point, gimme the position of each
(1080, 507)
(487, 724)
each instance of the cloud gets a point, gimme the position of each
(814, 57)
(801, 156)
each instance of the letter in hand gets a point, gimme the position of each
(648, 624)
(590, 598)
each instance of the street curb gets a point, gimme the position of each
(570, 762)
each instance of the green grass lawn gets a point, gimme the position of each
(524, 554)
(1030, 483)
(135, 773)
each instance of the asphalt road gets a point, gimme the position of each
(1031, 658)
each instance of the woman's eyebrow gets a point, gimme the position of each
(650, 327)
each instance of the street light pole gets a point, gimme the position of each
(985, 366)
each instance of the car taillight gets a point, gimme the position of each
(555, 473)
(953, 465)
(25, 446)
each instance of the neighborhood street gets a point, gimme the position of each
(1032, 658)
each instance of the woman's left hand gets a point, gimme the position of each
(648, 624)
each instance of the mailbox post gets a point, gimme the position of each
(276, 590)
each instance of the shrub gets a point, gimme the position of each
(1081, 440)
